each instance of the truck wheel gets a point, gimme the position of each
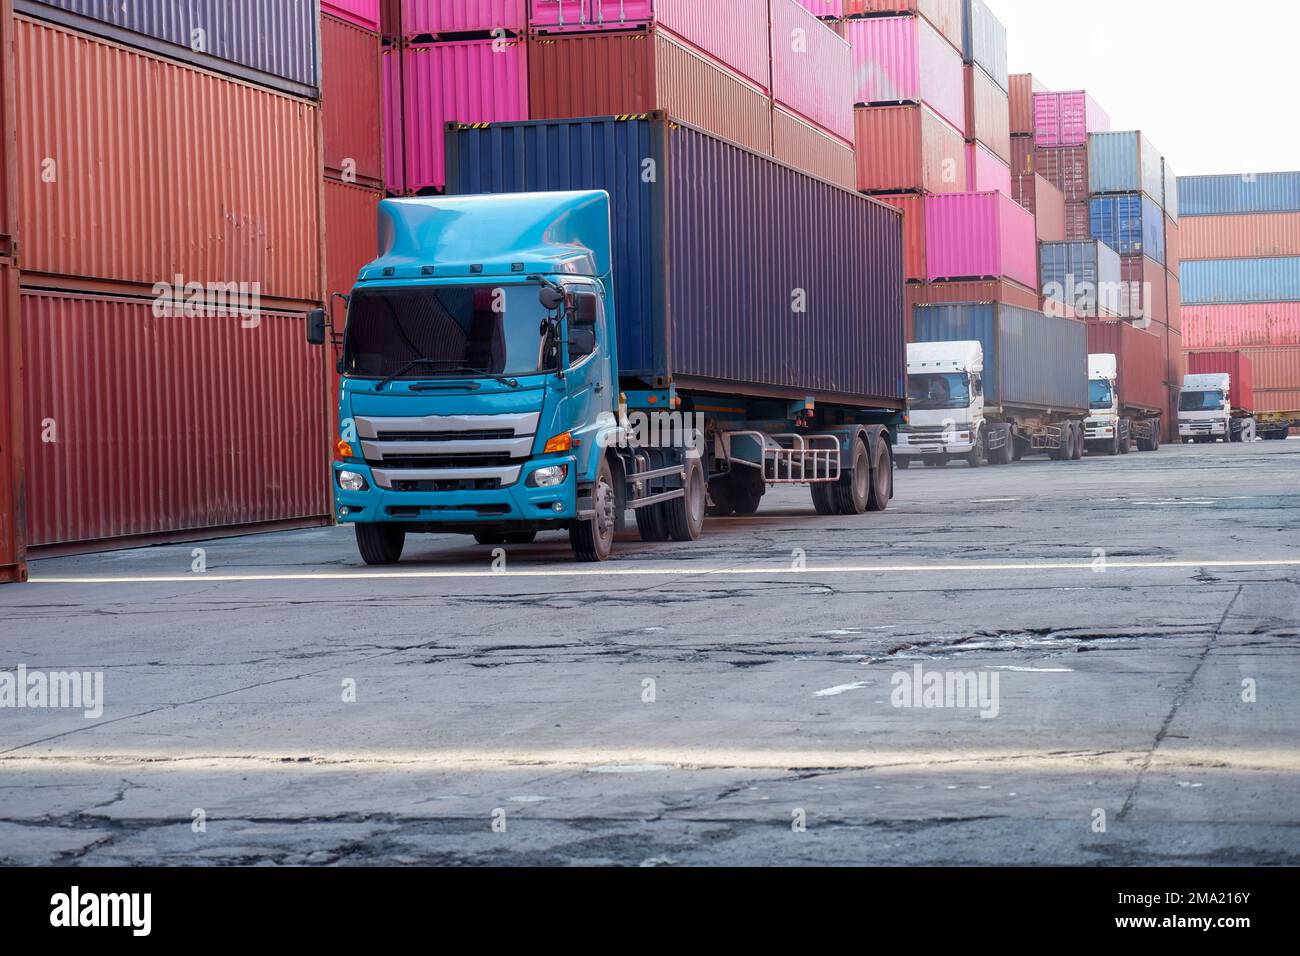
(380, 542)
(685, 516)
(517, 537)
(853, 490)
(593, 539)
(652, 523)
(882, 478)
(724, 502)
(823, 498)
(1003, 455)
(747, 487)
(978, 456)
(1078, 441)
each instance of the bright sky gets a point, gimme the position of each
(1216, 86)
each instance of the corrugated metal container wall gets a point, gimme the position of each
(739, 40)
(1030, 359)
(1130, 224)
(439, 17)
(1022, 87)
(1124, 163)
(905, 60)
(1278, 400)
(909, 148)
(1074, 264)
(675, 243)
(1066, 169)
(13, 425)
(1049, 211)
(1140, 359)
(603, 74)
(1144, 294)
(1066, 119)
(1241, 326)
(1170, 181)
(1174, 296)
(980, 235)
(988, 117)
(986, 172)
(352, 100)
(266, 41)
(1211, 281)
(806, 147)
(1242, 193)
(211, 456)
(8, 150)
(812, 69)
(946, 16)
(1258, 236)
(1077, 220)
(997, 290)
(984, 41)
(1173, 245)
(913, 208)
(1237, 364)
(361, 13)
(351, 234)
(238, 203)
(825, 9)
(394, 127)
(470, 81)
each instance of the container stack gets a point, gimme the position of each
(1062, 123)
(13, 565)
(175, 198)
(1241, 278)
(1031, 190)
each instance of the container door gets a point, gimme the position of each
(562, 14)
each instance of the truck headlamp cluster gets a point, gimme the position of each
(351, 481)
(549, 476)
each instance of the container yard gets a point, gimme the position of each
(611, 433)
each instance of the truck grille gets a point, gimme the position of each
(447, 452)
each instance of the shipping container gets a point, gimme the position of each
(13, 425)
(1169, 180)
(1238, 194)
(1173, 245)
(618, 74)
(1214, 281)
(1124, 163)
(946, 16)
(1022, 87)
(1131, 224)
(984, 41)
(824, 9)
(1140, 361)
(1078, 220)
(1275, 367)
(912, 206)
(739, 40)
(1174, 296)
(441, 18)
(351, 235)
(8, 149)
(986, 172)
(390, 19)
(466, 81)
(1066, 169)
(361, 13)
(1257, 236)
(909, 148)
(1284, 400)
(1085, 275)
(162, 170)
(806, 147)
(1066, 119)
(980, 235)
(352, 102)
(1144, 292)
(211, 455)
(685, 312)
(1048, 206)
(906, 60)
(394, 126)
(269, 42)
(1031, 360)
(1239, 365)
(1241, 326)
(1006, 291)
(988, 117)
(812, 68)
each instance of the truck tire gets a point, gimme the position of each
(652, 523)
(1078, 441)
(979, 456)
(1066, 451)
(747, 487)
(685, 516)
(723, 501)
(380, 542)
(516, 537)
(852, 491)
(882, 478)
(1005, 454)
(593, 539)
(823, 498)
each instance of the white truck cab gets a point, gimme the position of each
(1105, 427)
(1205, 408)
(945, 402)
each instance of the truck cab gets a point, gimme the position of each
(1105, 427)
(1205, 408)
(945, 403)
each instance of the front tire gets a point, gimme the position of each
(685, 516)
(593, 540)
(380, 542)
(978, 456)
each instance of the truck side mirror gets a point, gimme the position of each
(316, 327)
(582, 342)
(584, 311)
(550, 298)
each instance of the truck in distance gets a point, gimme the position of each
(1113, 424)
(1217, 400)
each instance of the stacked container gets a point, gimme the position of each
(1061, 123)
(177, 199)
(13, 565)
(1240, 238)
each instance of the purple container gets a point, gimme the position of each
(812, 69)
(1066, 119)
(980, 236)
(905, 60)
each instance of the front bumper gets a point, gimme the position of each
(1202, 429)
(1098, 430)
(910, 445)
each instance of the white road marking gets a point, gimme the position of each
(1034, 670)
(840, 689)
(992, 501)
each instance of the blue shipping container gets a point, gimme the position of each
(1031, 360)
(270, 42)
(1132, 224)
(984, 40)
(1227, 281)
(1124, 162)
(733, 273)
(1076, 263)
(1170, 200)
(1240, 193)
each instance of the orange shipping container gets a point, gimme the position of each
(1275, 367)
(352, 102)
(351, 241)
(1255, 236)
(808, 148)
(1241, 326)
(988, 114)
(1048, 210)
(139, 169)
(908, 148)
(1285, 400)
(1023, 87)
(913, 207)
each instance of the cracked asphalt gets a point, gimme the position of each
(694, 704)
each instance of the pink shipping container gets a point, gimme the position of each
(441, 17)
(470, 81)
(739, 39)
(394, 133)
(985, 171)
(1241, 326)
(806, 147)
(1048, 206)
(825, 9)
(905, 60)
(944, 15)
(988, 113)
(361, 13)
(908, 149)
(1237, 364)
(980, 235)
(1066, 119)
(812, 68)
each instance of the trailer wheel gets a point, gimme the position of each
(518, 537)
(823, 498)
(380, 542)
(723, 502)
(651, 523)
(853, 490)
(747, 487)
(685, 516)
(882, 478)
(1077, 428)
(593, 539)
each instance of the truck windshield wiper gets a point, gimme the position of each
(458, 367)
(403, 370)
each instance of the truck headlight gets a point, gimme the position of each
(351, 481)
(549, 477)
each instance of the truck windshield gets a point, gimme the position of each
(445, 331)
(1100, 395)
(1207, 401)
(938, 390)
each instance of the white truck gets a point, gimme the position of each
(1114, 422)
(1206, 412)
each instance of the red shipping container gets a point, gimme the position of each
(913, 207)
(13, 424)
(8, 152)
(236, 199)
(908, 148)
(812, 69)
(1023, 87)
(1274, 368)
(1067, 170)
(944, 15)
(603, 74)
(1174, 297)
(210, 457)
(1140, 357)
(436, 18)
(352, 102)
(808, 148)
(1077, 222)
(1284, 400)
(988, 114)
(1006, 291)
(1241, 326)
(1237, 364)
(1145, 292)
(1255, 236)
(351, 241)
(394, 126)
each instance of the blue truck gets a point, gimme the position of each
(626, 315)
